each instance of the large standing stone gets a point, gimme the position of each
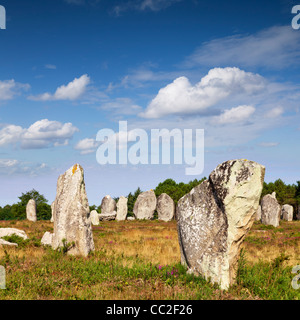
(72, 223)
(165, 207)
(122, 209)
(31, 210)
(145, 205)
(287, 212)
(95, 218)
(108, 205)
(214, 218)
(270, 210)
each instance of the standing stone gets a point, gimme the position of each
(108, 205)
(52, 208)
(95, 218)
(270, 210)
(31, 210)
(122, 209)
(287, 212)
(165, 207)
(258, 213)
(72, 222)
(214, 218)
(145, 205)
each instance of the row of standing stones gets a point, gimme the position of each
(270, 212)
(212, 219)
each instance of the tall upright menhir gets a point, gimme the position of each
(214, 218)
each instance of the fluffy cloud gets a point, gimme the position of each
(181, 97)
(10, 88)
(234, 115)
(41, 134)
(72, 91)
(86, 146)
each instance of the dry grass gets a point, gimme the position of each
(35, 273)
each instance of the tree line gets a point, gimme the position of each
(285, 194)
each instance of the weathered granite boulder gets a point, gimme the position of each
(31, 210)
(122, 209)
(287, 212)
(47, 239)
(270, 210)
(72, 222)
(258, 213)
(108, 216)
(12, 231)
(108, 205)
(95, 218)
(214, 218)
(165, 207)
(130, 218)
(145, 205)
(7, 243)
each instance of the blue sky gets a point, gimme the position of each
(69, 68)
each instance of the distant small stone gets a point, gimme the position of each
(122, 209)
(270, 210)
(31, 210)
(145, 205)
(94, 217)
(258, 213)
(107, 216)
(47, 239)
(165, 207)
(287, 212)
(108, 204)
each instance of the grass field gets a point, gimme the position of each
(141, 260)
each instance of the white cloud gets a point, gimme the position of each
(235, 115)
(268, 144)
(41, 134)
(181, 97)
(10, 88)
(72, 91)
(11, 167)
(274, 113)
(77, 2)
(86, 146)
(143, 5)
(50, 66)
(124, 106)
(276, 47)
(10, 134)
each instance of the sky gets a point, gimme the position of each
(69, 68)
